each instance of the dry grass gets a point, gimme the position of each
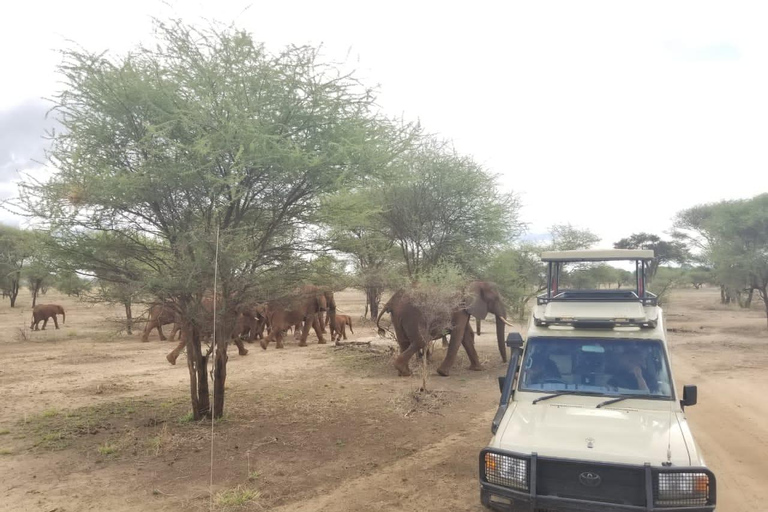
(235, 498)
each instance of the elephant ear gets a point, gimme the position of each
(478, 308)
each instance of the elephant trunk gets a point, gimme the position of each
(500, 338)
(63, 316)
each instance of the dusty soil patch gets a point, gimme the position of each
(321, 428)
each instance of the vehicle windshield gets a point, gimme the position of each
(610, 367)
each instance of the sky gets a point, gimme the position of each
(608, 115)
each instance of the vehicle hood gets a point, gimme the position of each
(620, 435)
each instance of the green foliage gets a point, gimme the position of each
(585, 277)
(441, 206)
(70, 283)
(699, 276)
(15, 252)
(39, 270)
(519, 274)
(565, 237)
(664, 251)
(732, 237)
(666, 279)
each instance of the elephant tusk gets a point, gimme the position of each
(506, 321)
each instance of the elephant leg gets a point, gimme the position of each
(174, 354)
(401, 338)
(55, 323)
(279, 339)
(461, 325)
(412, 337)
(147, 329)
(298, 331)
(160, 332)
(319, 331)
(265, 341)
(469, 345)
(176, 329)
(321, 316)
(344, 331)
(240, 347)
(45, 322)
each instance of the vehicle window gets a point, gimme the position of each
(604, 366)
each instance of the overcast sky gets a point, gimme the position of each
(610, 115)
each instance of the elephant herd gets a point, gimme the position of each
(311, 307)
(267, 322)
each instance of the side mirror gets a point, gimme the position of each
(514, 340)
(502, 380)
(690, 395)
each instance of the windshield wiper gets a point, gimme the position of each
(627, 397)
(555, 395)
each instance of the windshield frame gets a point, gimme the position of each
(582, 339)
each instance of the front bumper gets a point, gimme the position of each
(498, 497)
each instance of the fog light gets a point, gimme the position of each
(506, 471)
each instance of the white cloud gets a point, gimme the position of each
(605, 114)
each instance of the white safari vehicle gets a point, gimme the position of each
(589, 418)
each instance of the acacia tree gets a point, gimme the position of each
(355, 228)
(15, 252)
(663, 251)
(204, 144)
(739, 231)
(442, 206)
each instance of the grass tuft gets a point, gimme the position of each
(107, 449)
(236, 497)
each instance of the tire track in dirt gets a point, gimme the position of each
(441, 476)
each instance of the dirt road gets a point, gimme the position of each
(95, 420)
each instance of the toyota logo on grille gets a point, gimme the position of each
(589, 479)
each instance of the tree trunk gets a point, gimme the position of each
(748, 301)
(128, 317)
(198, 375)
(219, 377)
(35, 290)
(374, 302)
(763, 293)
(15, 285)
(722, 294)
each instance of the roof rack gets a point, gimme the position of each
(597, 308)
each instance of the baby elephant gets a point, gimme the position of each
(42, 312)
(340, 329)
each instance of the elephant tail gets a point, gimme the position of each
(381, 331)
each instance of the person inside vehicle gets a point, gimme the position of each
(629, 372)
(542, 369)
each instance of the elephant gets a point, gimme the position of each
(206, 333)
(301, 311)
(160, 315)
(490, 301)
(42, 312)
(340, 328)
(411, 327)
(251, 322)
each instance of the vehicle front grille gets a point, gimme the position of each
(584, 481)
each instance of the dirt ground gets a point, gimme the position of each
(93, 419)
